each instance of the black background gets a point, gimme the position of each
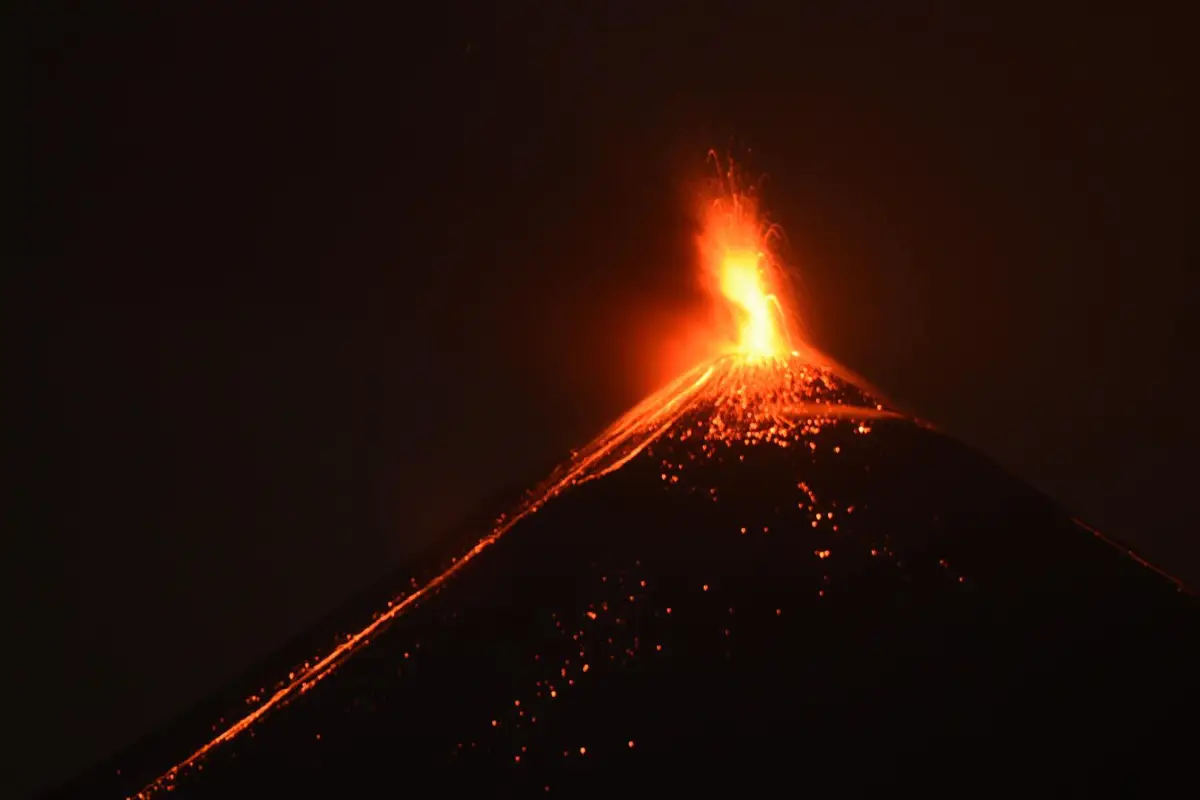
(294, 291)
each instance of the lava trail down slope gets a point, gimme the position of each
(762, 573)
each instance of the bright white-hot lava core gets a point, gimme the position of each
(763, 387)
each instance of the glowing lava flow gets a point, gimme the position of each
(622, 441)
(758, 390)
(743, 397)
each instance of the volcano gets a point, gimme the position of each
(762, 573)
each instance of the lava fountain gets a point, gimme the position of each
(740, 269)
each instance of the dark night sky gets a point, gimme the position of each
(298, 291)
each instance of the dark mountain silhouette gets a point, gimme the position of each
(760, 579)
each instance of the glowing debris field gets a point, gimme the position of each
(760, 574)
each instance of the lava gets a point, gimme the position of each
(741, 269)
(763, 387)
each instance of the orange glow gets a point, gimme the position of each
(741, 271)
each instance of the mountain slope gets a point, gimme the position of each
(760, 573)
